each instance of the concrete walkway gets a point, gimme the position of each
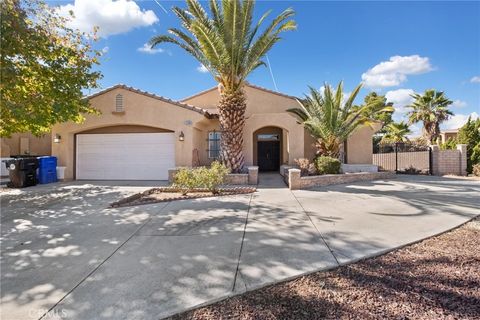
(66, 256)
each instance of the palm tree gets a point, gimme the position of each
(331, 119)
(230, 46)
(396, 132)
(432, 109)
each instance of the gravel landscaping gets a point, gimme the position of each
(438, 278)
(171, 193)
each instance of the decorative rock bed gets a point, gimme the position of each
(165, 194)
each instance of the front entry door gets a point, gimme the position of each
(268, 155)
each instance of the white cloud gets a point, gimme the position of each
(149, 50)
(459, 104)
(395, 71)
(201, 68)
(475, 79)
(112, 17)
(400, 98)
(457, 121)
(105, 50)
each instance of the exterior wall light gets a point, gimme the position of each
(181, 137)
(57, 138)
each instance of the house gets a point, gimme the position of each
(140, 135)
(445, 135)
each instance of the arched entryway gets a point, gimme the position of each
(268, 148)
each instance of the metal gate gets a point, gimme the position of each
(403, 157)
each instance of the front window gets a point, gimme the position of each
(214, 144)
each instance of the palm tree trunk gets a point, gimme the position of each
(231, 109)
(428, 131)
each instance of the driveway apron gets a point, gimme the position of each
(65, 255)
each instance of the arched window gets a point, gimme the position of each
(119, 103)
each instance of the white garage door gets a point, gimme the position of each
(125, 156)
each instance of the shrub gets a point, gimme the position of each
(450, 144)
(476, 170)
(469, 134)
(188, 179)
(305, 167)
(412, 170)
(327, 165)
(312, 170)
(214, 176)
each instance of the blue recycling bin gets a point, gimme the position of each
(47, 169)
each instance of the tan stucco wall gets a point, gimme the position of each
(444, 136)
(140, 110)
(36, 145)
(147, 114)
(202, 128)
(269, 109)
(258, 101)
(264, 109)
(360, 145)
(126, 129)
(309, 147)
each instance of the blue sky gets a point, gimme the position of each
(395, 48)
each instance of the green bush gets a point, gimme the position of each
(327, 165)
(450, 144)
(211, 178)
(469, 134)
(188, 179)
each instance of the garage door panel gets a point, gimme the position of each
(131, 156)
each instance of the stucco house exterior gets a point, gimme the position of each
(445, 135)
(140, 135)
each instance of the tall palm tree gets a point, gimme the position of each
(396, 132)
(230, 46)
(331, 119)
(432, 109)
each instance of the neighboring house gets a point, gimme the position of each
(140, 135)
(448, 134)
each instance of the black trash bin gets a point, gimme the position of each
(22, 171)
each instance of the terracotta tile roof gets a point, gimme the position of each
(248, 85)
(202, 111)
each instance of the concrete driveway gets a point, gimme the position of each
(66, 256)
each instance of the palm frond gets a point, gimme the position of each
(226, 40)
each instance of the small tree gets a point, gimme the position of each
(45, 66)
(431, 108)
(331, 119)
(469, 134)
(374, 101)
(396, 132)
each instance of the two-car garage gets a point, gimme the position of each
(137, 135)
(125, 156)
